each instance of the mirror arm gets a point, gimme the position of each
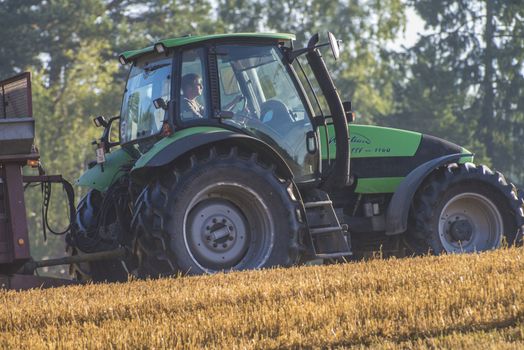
(292, 55)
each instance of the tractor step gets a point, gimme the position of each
(322, 230)
(328, 238)
(317, 204)
(330, 256)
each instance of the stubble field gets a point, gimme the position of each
(467, 301)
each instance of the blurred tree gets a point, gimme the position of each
(141, 23)
(65, 45)
(366, 27)
(20, 46)
(465, 78)
(64, 129)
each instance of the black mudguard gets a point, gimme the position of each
(398, 209)
(176, 149)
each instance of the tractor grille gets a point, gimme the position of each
(15, 97)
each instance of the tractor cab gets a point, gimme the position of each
(246, 84)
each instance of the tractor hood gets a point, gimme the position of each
(381, 157)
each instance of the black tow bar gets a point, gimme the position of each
(30, 266)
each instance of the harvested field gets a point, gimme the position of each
(467, 301)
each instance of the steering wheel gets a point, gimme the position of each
(275, 114)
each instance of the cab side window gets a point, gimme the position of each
(193, 92)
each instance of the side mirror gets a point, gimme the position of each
(333, 43)
(350, 115)
(160, 103)
(108, 135)
(114, 131)
(313, 44)
(100, 121)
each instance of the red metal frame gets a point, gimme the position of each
(14, 236)
(16, 266)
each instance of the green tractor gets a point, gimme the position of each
(236, 152)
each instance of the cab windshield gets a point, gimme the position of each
(148, 80)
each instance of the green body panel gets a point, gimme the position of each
(378, 185)
(466, 159)
(177, 136)
(374, 141)
(390, 184)
(99, 179)
(175, 42)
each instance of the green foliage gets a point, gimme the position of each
(465, 78)
(64, 129)
(20, 44)
(365, 27)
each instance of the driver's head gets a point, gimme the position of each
(191, 85)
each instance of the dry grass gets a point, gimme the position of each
(433, 302)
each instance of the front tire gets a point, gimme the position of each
(223, 212)
(466, 208)
(96, 228)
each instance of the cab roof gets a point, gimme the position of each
(187, 40)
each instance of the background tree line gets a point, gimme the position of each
(462, 80)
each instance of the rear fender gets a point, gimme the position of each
(116, 165)
(398, 209)
(169, 149)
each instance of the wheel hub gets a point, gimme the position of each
(217, 233)
(470, 222)
(461, 230)
(221, 235)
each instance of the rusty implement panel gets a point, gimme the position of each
(16, 237)
(5, 255)
(15, 97)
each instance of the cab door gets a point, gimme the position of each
(258, 87)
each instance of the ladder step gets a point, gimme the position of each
(317, 204)
(321, 230)
(333, 255)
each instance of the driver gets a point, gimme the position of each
(191, 89)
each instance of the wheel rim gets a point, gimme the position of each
(228, 226)
(470, 222)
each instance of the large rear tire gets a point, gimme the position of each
(223, 212)
(465, 208)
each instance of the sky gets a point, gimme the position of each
(414, 27)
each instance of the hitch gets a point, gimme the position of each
(25, 279)
(30, 266)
